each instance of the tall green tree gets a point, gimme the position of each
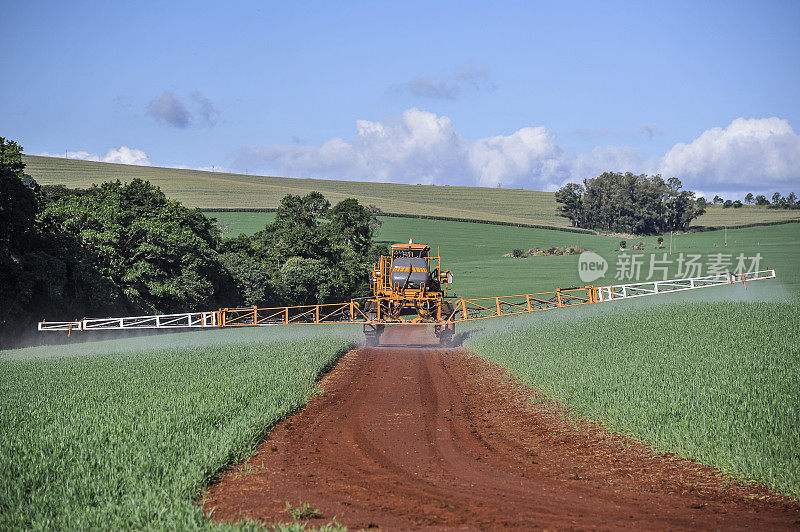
(570, 196)
(160, 254)
(628, 203)
(311, 252)
(351, 224)
(18, 202)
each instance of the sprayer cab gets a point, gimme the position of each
(410, 272)
(409, 286)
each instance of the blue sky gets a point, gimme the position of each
(514, 94)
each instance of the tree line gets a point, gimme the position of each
(628, 203)
(778, 201)
(122, 249)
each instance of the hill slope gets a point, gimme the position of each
(214, 190)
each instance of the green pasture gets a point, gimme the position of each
(224, 190)
(233, 224)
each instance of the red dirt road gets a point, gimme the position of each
(415, 438)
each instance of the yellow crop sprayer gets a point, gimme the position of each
(408, 287)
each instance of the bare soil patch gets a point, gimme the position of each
(424, 437)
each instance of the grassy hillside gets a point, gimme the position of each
(218, 190)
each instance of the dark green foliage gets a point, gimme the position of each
(313, 253)
(783, 202)
(40, 270)
(161, 255)
(352, 225)
(570, 196)
(629, 203)
(18, 202)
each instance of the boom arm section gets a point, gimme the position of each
(359, 311)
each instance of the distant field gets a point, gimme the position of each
(218, 190)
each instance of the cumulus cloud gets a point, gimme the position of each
(126, 155)
(449, 87)
(422, 147)
(748, 153)
(517, 159)
(121, 155)
(170, 110)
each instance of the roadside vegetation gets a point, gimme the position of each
(713, 382)
(129, 440)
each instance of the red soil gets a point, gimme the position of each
(414, 438)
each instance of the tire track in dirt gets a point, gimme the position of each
(415, 438)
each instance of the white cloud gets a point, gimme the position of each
(517, 159)
(748, 155)
(121, 155)
(126, 155)
(422, 147)
(760, 153)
